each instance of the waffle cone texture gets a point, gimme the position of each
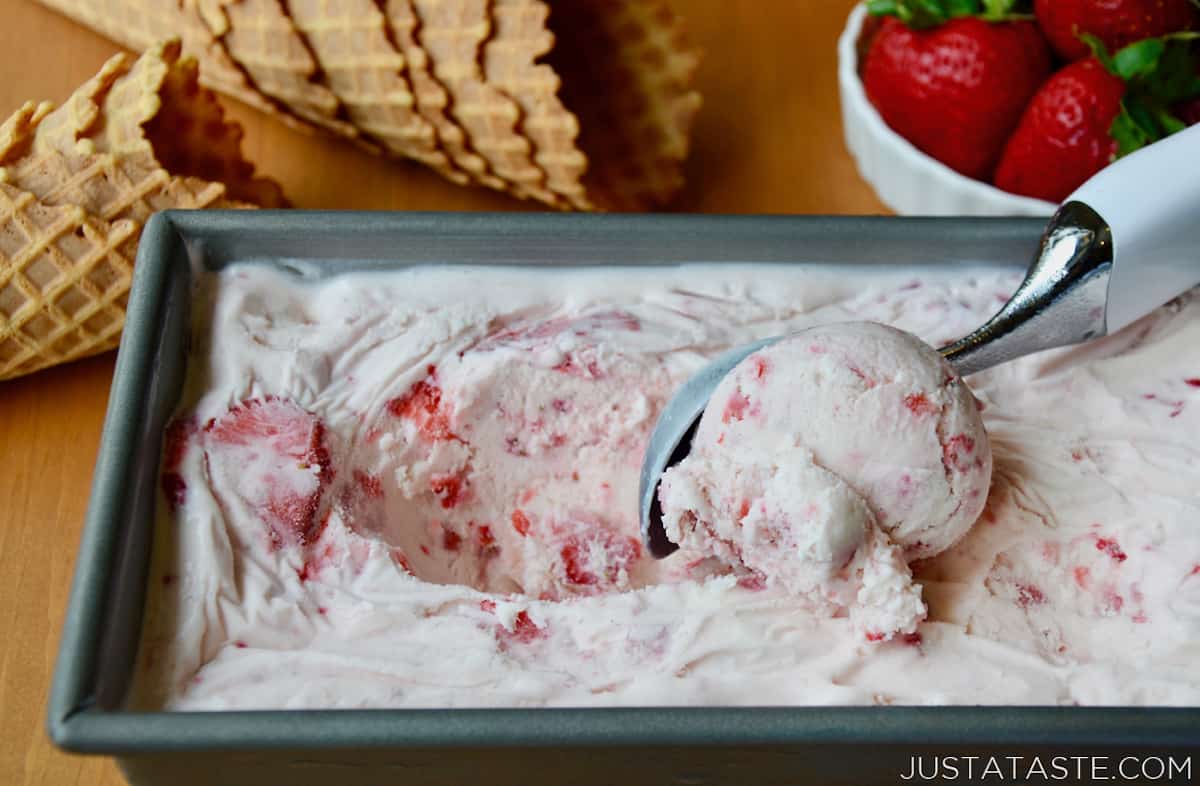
(579, 105)
(77, 183)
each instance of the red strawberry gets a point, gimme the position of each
(1116, 23)
(957, 90)
(1097, 109)
(1063, 138)
(274, 456)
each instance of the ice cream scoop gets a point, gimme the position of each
(1123, 244)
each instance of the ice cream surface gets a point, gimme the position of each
(826, 462)
(419, 489)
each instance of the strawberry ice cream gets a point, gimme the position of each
(419, 489)
(828, 460)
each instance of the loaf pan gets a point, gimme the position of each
(700, 745)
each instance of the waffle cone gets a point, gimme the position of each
(366, 72)
(16, 133)
(454, 32)
(627, 73)
(139, 24)
(431, 96)
(594, 112)
(78, 182)
(189, 134)
(108, 148)
(519, 39)
(63, 285)
(62, 127)
(262, 39)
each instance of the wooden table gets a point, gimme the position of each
(768, 140)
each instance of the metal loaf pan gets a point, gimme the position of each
(701, 745)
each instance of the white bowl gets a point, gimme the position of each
(907, 180)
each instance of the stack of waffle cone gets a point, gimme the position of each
(367, 73)
(140, 26)
(585, 105)
(78, 182)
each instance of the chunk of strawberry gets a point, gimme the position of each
(423, 406)
(178, 436)
(276, 456)
(598, 560)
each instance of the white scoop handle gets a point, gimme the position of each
(1150, 200)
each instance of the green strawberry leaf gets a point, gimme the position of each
(1158, 72)
(917, 14)
(922, 14)
(1008, 10)
(1177, 75)
(957, 8)
(927, 13)
(1142, 121)
(1100, 51)
(1128, 132)
(1168, 122)
(1138, 59)
(883, 8)
(1145, 116)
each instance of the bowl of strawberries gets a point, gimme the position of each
(1004, 107)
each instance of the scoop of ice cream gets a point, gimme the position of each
(829, 460)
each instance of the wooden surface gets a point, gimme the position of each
(768, 140)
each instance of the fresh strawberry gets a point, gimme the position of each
(1117, 23)
(952, 84)
(1095, 110)
(1063, 138)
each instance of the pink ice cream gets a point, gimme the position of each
(507, 453)
(827, 461)
(419, 489)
